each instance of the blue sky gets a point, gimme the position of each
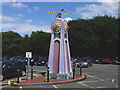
(25, 17)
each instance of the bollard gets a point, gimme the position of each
(18, 76)
(80, 70)
(73, 72)
(47, 74)
(31, 71)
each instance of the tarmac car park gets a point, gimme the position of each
(101, 76)
(98, 76)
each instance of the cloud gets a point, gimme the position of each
(8, 19)
(36, 8)
(24, 28)
(28, 21)
(20, 15)
(104, 8)
(68, 19)
(58, 0)
(10, 23)
(29, 10)
(33, 9)
(18, 5)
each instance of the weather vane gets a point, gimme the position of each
(60, 14)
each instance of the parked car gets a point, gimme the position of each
(1, 77)
(42, 61)
(116, 61)
(14, 58)
(96, 60)
(25, 60)
(73, 62)
(10, 69)
(83, 62)
(106, 61)
(4, 59)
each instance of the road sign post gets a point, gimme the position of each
(28, 55)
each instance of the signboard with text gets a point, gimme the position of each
(28, 54)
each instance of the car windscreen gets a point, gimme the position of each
(83, 59)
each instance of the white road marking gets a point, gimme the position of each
(113, 80)
(20, 88)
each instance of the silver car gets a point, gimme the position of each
(83, 63)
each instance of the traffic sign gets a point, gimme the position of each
(28, 54)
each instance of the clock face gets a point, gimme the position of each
(65, 26)
(56, 26)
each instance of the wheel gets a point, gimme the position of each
(23, 73)
(1, 77)
(35, 63)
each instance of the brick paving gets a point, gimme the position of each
(42, 80)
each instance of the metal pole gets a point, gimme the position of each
(47, 74)
(80, 70)
(18, 76)
(31, 71)
(28, 68)
(73, 72)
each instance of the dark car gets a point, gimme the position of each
(25, 60)
(83, 62)
(42, 61)
(96, 60)
(106, 61)
(14, 58)
(4, 59)
(73, 62)
(12, 69)
(116, 61)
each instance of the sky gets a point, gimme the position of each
(25, 17)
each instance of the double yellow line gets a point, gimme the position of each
(99, 79)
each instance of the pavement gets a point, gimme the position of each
(41, 80)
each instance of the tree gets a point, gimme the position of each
(39, 43)
(97, 36)
(11, 43)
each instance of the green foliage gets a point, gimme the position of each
(90, 37)
(39, 43)
(11, 43)
(94, 37)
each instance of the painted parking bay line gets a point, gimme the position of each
(94, 77)
(82, 83)
(20, 88)
(90, 81)
(85, 85)
(100, 87)
(55, 87)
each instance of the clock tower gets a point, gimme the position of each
(59, 61)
